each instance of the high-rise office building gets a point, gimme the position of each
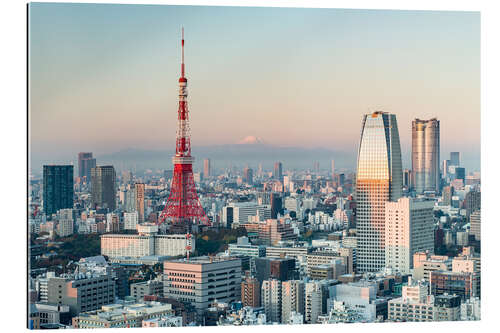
(333, 169)
(409, 228)
(460, 174)
(278, 171)
(475, 224)
(446, 164)
(407, 179)
(455, 158)
(472, 202)
(202, 280)
(276, 205)
(139, 198)
(57, 188)
(425, 155)
(248, 175)
(448, 192)
(104, 187)
(85, 164)
(379, 179)
(206, 168)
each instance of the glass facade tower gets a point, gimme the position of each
(104, 187)
(379, 179)
(425, 155)
(57, 188)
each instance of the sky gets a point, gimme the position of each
(104, 77)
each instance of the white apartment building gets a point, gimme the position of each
(470, 309)
(356, 295)
(173, 245)
(130, 220)
(146, 243)
(409, 228)
(292, 295)
(127, 245)
(313, 302)
(65, 227)
(271, 299)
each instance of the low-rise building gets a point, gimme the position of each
(165, 321)
(470, 309)
(415, 304)
(122, 315)
(424, 263)
(462, 284)
(150, 287)
(447, 307)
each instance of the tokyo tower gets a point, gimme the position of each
(183, 208)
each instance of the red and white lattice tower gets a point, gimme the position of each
(183, 208)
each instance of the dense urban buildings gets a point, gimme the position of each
(378, 180)
(425, 155)
(213, 243)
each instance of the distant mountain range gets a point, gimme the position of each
(250, 151)
(233, 155)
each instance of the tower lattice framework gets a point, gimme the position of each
(183, 208)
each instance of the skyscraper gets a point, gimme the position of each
(455, 158)
(139, 198)
(57, 188)
(333, 169)
(425, 155)
(278, 171)
(378, 180)
(248, 175)
(103, 187)
(446, 164)
(85, 164)
(206, 168)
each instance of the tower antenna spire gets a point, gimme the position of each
(182, 65)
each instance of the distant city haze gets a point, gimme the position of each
(103, 78)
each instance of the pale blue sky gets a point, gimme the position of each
(104, 77)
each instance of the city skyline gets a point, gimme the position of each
(110, 104)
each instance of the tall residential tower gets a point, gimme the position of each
(378, 180)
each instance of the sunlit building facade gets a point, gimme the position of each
(379, 179)
(425, 155)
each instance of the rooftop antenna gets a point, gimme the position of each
(182, 64)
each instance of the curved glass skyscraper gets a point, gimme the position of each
(425, 155)
(379, 179)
